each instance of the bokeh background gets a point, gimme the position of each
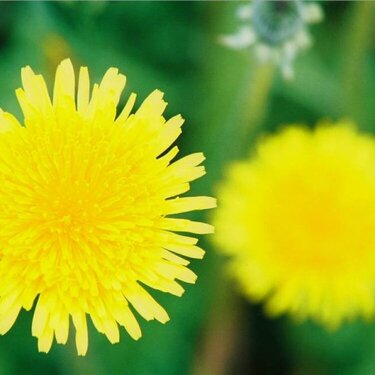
(228, 101)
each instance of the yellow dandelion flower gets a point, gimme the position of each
(85, 204)
(298, 221)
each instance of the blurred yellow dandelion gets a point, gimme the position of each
(298, 221)
(85, 205)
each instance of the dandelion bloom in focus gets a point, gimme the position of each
(85, 205)
(298, 222)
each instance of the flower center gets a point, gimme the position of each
(68, 217)
(275, 22)
(306, 223)
(71, 212)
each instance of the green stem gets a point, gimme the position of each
(237, 108)
(355, 51)
(256, 98)
(222, 334)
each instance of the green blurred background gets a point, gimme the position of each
(227, 101)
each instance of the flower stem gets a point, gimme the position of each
(355, 50)
(234, 122)
(222, 333)
(256, 98)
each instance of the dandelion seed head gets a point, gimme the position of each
(273, 29)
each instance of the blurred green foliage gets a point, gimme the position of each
(173, 46)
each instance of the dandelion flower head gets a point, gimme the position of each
(276, 30)
(86, 199)
(298, 221)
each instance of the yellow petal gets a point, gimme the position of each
(45, 340)
(83, 95)
(36, 90)
(79, 321)
(186, 204)
(126, 318)
(7, 321)
(62, 328)
(146, 305)
(40, 318)
(183, 225)
(112, 85)
(126, 110)
(63, 92)
(8, 122)
(186, 250)
(153, 105)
